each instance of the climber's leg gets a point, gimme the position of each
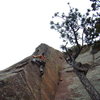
(41, 70)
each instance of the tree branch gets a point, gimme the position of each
(76, 41)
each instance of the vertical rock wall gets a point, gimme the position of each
(22, 81)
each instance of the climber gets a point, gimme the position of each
(39, 60)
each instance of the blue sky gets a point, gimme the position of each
(24, 24)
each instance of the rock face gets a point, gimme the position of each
(70, 87)
(22, 81)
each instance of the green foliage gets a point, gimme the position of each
(96, 7)
(97, 26)
(95, 4)
(96, 46)
(76, 28)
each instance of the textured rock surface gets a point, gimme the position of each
(22, 81)
(70, 87)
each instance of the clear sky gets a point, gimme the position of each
(24, 24)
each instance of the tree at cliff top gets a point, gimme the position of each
(95, 7)
(78, 29)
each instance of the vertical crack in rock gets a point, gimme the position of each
(23, 76)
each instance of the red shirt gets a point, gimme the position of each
(40, 57)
